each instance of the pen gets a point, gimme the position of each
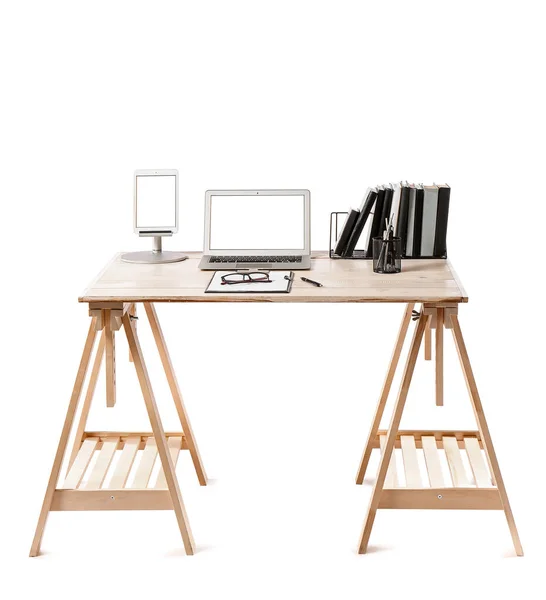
(311, 281)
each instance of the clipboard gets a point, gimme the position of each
(281, 283)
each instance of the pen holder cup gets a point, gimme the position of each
(387, 255)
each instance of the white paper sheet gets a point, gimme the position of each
(280, 282)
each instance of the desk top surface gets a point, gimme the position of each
(343, 280)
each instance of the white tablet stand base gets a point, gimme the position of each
(156, 256)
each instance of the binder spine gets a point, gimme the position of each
(335, 221)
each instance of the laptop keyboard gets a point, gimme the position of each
(255, 259)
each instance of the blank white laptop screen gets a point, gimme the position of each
(257, 222)
(155, 201)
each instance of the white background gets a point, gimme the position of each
(330, 96)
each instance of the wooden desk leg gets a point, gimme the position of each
(439, 357)
(393, 430)
(63, 441)
(428, 342)
(91, 386)
(159, 435)
(133, 313)
(384, 393)
(484, 430)
(110, 347)
(175, 391)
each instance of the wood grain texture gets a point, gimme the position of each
(432, 460)
(174, 444)
(477, 463)
(428, 342)
(418, 436)
(442, 499)
(146, 465)
(484, 430)
(391, 479)
(455, 463)
(100, 469)
(439, 357)
(159, 435)
(133, 315)
(91, 387)
(189, 436)
(124, 436)
(127, 499)
(78, 468)
(110, 351)
(372, 435)
(125, 463)
(411, 463)
(391, 434)
(343, 281)
(63, 441)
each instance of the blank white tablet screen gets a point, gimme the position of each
(257, 222)
(156, 201)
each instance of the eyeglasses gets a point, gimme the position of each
(255, 277)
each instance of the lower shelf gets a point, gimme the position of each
(425, 455)
(127, 499)
(96, 481)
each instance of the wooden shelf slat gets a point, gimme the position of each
(126, 460)
(79, 466)
(481, 474)
(456, 467)
(100, 468)
(432, 459)
(175, 444)
(124, 435)
(391, 479)
(146, 465)
(438, 435)
(411, 464)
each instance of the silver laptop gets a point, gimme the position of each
(257, 229)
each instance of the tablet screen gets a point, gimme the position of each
(156, 201)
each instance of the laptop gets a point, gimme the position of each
(257, 229)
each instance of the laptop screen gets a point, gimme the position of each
(259, 222)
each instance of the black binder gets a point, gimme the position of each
(386, 212)
(365, 210)
(418, 222)
(402, 224)
(346, 231)
(440, 242)
(376, 223)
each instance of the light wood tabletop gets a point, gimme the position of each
(423, 280)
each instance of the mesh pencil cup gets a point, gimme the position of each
(387, 255)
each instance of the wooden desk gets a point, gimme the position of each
(344, 281)
(113, 297)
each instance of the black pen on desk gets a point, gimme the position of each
(311, 281)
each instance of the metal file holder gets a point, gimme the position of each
(334, 233)
(357, 254)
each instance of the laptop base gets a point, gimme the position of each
(207, 265)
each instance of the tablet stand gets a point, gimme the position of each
(156, 256)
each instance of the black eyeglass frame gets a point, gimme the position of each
(247, 278)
